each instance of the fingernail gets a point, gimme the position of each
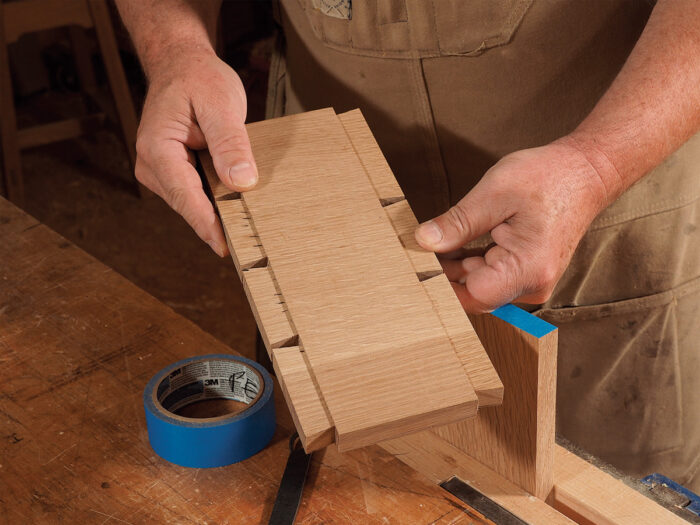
(243, 175)
(430, 232)
(217, 249)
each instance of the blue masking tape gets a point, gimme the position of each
(523, 320)
(214, 441)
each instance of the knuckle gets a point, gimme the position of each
(545, 278)
(549, 272)
(141, 173)
(177, 199)
(143, 146)
(459, 219)
(232, 144)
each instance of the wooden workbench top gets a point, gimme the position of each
(78, 343)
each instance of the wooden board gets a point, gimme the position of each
(581, 492)
(515, 439)
(439, 461)
(345, 278)
(375, 383)
(310, 415)
(588, 493)
(385, 186)
(78, 344)
(470, 350)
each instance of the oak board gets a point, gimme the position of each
(344, 268)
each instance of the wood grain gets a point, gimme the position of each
(581, 489)
(470, 351)
(303, 398)
(78, 344)
(268, 308)
(299, 159)
(385, 185)
(439, 461)
(345, 278)
(425, 264)
(244, 244)
(515, 439)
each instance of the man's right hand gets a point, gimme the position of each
(194, 101)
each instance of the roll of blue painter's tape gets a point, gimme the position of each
(213, 441)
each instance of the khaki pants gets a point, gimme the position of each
(450, 87)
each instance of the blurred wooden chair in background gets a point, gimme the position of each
(26, 16)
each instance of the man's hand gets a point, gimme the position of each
(537, 204)
(194, 101)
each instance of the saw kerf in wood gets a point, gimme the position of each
(507, 451)
(375, 343)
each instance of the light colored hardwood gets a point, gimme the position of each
(268, 308)
(581, 489)
(425, 264)
(581, 493)
(470, 351)
(369, 331)
(439, 461)
(244, 244)
(320, 144)
(79, 342)
(303, 399)
(515, 439)
(371, 157)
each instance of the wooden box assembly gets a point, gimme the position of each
(328, 216)
(363, 329)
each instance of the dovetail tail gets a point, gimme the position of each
(424, 276)
(236, 195)
(391, 200)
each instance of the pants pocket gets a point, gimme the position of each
(628, 389)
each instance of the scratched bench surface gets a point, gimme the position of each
(78, 343)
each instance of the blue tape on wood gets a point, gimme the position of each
(214, 441)
(523, 320)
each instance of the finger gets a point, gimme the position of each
(492, 284)
(468, 302)
(471, 217)
(229, 145)
(178, 183)
(463, 252)
(457, 271)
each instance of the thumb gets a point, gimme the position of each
(230, 150)
(476, 214)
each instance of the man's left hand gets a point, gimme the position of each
(537, 204)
